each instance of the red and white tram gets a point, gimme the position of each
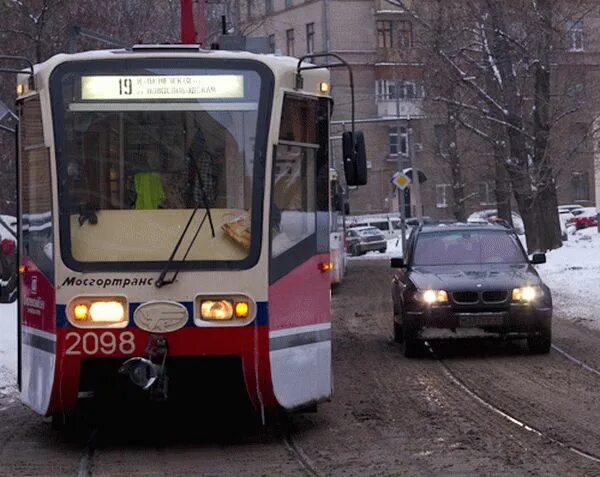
(174, 207)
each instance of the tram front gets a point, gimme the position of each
(144, 231)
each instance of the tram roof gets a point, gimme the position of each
(284, 67)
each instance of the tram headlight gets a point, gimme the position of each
(216, 310)
(98, 312)
(107, 312)
(223, 310)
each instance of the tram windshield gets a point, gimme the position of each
(140, 144)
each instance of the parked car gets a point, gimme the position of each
(490, 215)
(360, 240)
(583, 218)
(388, 224)
(569, 208)
(8, 258)
(466, 276)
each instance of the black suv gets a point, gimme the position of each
(466, 279)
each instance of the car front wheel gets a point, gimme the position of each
(398, 335)
(412, 348)
(539, 344)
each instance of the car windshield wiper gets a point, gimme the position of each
(160, 282)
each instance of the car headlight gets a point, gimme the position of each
(527, 294)
(98, 312)
(434, 296)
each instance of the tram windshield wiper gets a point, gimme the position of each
(160, 282)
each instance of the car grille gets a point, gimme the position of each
(496, 296)
(471, 297)
(465, 297)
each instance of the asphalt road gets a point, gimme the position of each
(464, 408)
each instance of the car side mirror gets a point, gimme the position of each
(355, 158)
(397, 262)
(538, 258)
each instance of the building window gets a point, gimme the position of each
(398, 140)
(441, 195)
(248, 9)
(404, 34)
(310, 37)
(272, 42)
(386, 89)
(390, 89)
(268, 7)
(575, 35)
(486, 193)
(581, 186)
(384, 34)
(288, 4)
(289, 38)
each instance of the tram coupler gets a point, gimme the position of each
(150, 373)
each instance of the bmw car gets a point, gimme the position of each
(468, 280)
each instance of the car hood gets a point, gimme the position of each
(474, 277)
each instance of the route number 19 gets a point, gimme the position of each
(125, 86)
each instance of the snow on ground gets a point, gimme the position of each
(573, 274)
(8, 346)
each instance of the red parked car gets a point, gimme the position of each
(583, 218)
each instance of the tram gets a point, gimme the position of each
(174, 210)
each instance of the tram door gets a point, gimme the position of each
(299, 293)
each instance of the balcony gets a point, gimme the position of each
(404, 109)
(383, 6)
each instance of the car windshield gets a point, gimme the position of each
(463, 247)
(369, 232)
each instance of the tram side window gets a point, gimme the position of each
(36, 187)
(294, 200)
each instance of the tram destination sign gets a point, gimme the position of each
(133, 87)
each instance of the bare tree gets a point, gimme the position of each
(501, 54)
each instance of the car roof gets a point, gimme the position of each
(363, 227)
(461, 226)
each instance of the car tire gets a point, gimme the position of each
(412, 348)
(382, 250)
(398, 334)
(539, 344)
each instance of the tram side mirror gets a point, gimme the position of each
(355, 158)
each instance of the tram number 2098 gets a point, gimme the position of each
(106, 343)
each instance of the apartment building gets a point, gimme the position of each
(402, 128)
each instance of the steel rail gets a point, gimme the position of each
(510, 418)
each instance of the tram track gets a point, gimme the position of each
(473, 394)
(575, 360)
(86, 463)
(296, 450)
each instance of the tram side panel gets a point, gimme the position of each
(37, 300)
